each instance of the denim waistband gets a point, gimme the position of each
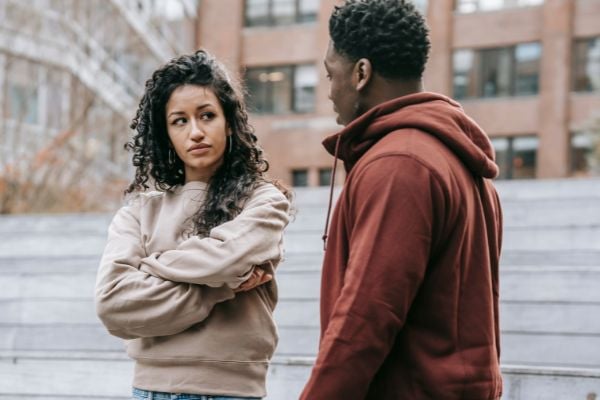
(150, 395)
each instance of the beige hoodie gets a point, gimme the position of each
(170, 293)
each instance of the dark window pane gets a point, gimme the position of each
(281, 90)
(496, 65)
(503, 156)
(585, 153)
(284, 11)
(463, 73)
(257, 12)
(257, 81)
(524, 157)
(516, 157)
(300, 177)
(527, 65)
(280, 80)
(586, 68)
(324, 176)
(308, 10)
(305, 81)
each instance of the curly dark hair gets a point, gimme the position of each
(391, 34)
(242, 169)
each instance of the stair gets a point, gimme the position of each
(53, 347)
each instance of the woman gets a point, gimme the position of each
(179, 276)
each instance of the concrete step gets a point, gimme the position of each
(568, 238)
(547, 257)
(566, 284)
(517, 213)
(548, 189)
(540, 238)
(62, 375)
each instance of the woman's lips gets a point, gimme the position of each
(199, 149)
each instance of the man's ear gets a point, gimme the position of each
(362, 73)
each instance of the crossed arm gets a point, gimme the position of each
(229, 253)
(164, 294)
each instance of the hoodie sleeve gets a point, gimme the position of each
(392, 206)
(232, 249)
(132, 303)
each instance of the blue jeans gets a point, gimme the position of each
(140, 394)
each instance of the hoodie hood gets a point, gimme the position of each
(433, 113)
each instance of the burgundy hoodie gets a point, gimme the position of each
(409, 293)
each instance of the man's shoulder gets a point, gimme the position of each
(407, 143)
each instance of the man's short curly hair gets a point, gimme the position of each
(391, 34)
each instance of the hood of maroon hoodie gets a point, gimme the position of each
(433, 113)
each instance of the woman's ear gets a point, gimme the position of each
(363, 71)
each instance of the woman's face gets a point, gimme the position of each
(198, 130)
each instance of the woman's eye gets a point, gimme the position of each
(179, 121)
(207, 116)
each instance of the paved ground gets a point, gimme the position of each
(53, 347)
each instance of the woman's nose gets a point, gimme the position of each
(196, 132)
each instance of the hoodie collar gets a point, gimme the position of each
(433, 113)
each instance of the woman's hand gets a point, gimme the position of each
(259, 276)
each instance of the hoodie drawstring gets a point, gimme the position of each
(332, 184)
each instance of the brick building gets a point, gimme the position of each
(527, 70)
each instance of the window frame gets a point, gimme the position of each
(271, 19)
(295, 171)
(577, 63)
(476, 84)
(504, 6)
(511, 153)
(269, 89)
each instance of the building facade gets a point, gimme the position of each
(527, 70)
(71, 75)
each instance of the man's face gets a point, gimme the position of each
(342, 92)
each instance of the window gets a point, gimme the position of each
(324, 176)
(281, 90)
(527, 66)
(280, 12)
(516, 156)
(300, 177)
(499, 72)
(464, 81)
(22, 103)
(22, 97)
(421, 5)
(54, 103)
(469, 6)
(585, 152)
(586, 65)
(495, 72)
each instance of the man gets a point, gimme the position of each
(409, 296)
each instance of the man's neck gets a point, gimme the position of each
(382, 90)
